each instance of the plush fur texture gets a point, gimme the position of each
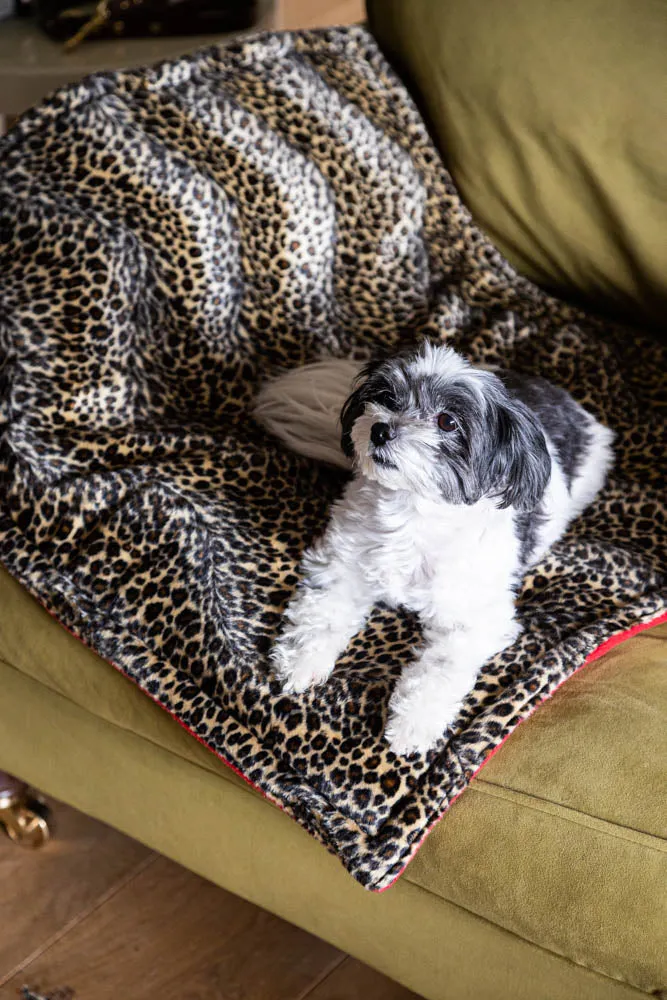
(463, 477)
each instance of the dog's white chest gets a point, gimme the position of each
(424, 554)
(398, 566)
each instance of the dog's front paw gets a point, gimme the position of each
(417, 721)
(302, 664)
(407, 735)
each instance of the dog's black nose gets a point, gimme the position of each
(381, 433)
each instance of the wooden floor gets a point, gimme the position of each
(319, 13)
(97, 916)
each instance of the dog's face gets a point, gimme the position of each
(429, 423)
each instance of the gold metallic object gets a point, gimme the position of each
(24, 816)
(97, 21)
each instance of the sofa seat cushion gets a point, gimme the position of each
(560, 839)
(550, 117)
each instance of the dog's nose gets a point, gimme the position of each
(381, 433)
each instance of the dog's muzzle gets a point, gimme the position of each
(381, 433)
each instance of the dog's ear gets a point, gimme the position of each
(520, 463)
(355, 404)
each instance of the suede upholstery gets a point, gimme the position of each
(550, 117)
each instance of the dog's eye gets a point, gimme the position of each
(446, 422)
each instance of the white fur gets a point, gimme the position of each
(392, 538)
(435, 359)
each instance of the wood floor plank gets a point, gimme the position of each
(44, 890)
(173, 935)
(321, 14)
(353, 979)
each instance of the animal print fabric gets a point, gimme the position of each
(168, 238)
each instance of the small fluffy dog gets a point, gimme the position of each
(463, 477)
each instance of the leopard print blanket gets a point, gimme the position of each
(170, 236)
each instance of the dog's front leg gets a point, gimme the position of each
(330, 607)
(430, 692)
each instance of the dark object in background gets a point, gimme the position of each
(63, 19)
(23, 8)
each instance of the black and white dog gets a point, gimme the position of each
(463, 477)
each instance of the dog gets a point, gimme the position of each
(463, 477)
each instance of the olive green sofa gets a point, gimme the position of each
(546, 879)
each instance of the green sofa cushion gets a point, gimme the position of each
(551, 118)
(559, 840)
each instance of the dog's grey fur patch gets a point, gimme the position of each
(527, 525)
(558, 413)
